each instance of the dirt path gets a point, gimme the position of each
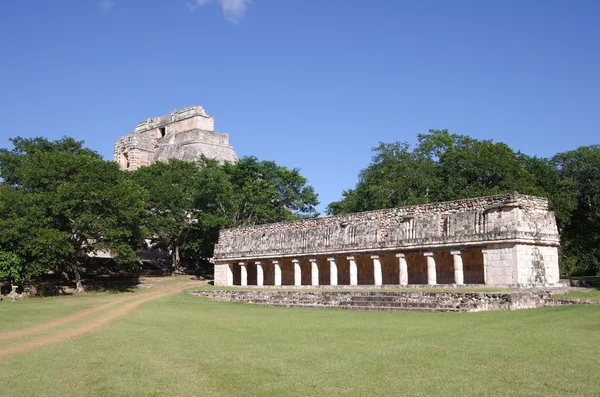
(65, 320)
(103, 320)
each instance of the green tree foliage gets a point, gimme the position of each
(62, 202)
(188, 203)
(171, 206)
(467, 167)
(396, 176)
(264, 192)
(13, 267)
(441, 167)
(26, 232)
(444, 166)
(577, 202)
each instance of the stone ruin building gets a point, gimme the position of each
(185, 134)
(503, 240)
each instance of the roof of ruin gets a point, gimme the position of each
(176, 115)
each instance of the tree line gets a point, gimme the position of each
(61, 203)
(444, 166)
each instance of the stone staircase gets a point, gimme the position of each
(392, 300)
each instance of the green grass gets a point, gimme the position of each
(30, 311)
(185, 345)
(593, 295)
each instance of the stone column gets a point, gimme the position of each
(297, 272)
(260, 278)
(314, 272)
(459, 277)
(403, 269)
(229, 274)
(431, 272)
(243, 274)
(353, 271)
(277, 271)
(377, 270)
(333, 275)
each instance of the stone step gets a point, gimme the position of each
(395, 299)
(399, 304)
(372, 303)
(430, 301)
(399, 309)
(419, 301)
(366, 302)
(365, 308)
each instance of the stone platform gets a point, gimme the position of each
(394, 300)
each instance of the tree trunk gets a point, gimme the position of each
(176, 259)
(65, 275)
(78, 285)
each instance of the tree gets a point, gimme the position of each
(13, 267)
(189, 203)
(77, 204)
(265, 192)
(442, 166)
(472, 168)
(396, 176)
(171, 207)
(577, 199)
(215, 202)
(27, 237)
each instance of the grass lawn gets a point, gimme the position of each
(31, 311)
(592, 294)
(185, 345)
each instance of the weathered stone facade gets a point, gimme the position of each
(185, 134)
(508, 239)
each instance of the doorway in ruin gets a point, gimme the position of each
(323, 265)
(287, 271)
(162, 131)
(343, 270)
(237, 273)
(364, 266)
(268, 273)
(444, 267)
(473, 266)
(416, 264)
(305, 272)
(390, 272)
(251, 269)
(124, 160)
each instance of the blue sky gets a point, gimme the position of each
(312, 84)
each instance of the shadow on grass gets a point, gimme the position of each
(50, 285)
(586, 282)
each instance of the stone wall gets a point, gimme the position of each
(185, 134)
(387, 300)
(462, 223)
(536, 264)
(189, 145)
(500, 264)
(521, 264)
